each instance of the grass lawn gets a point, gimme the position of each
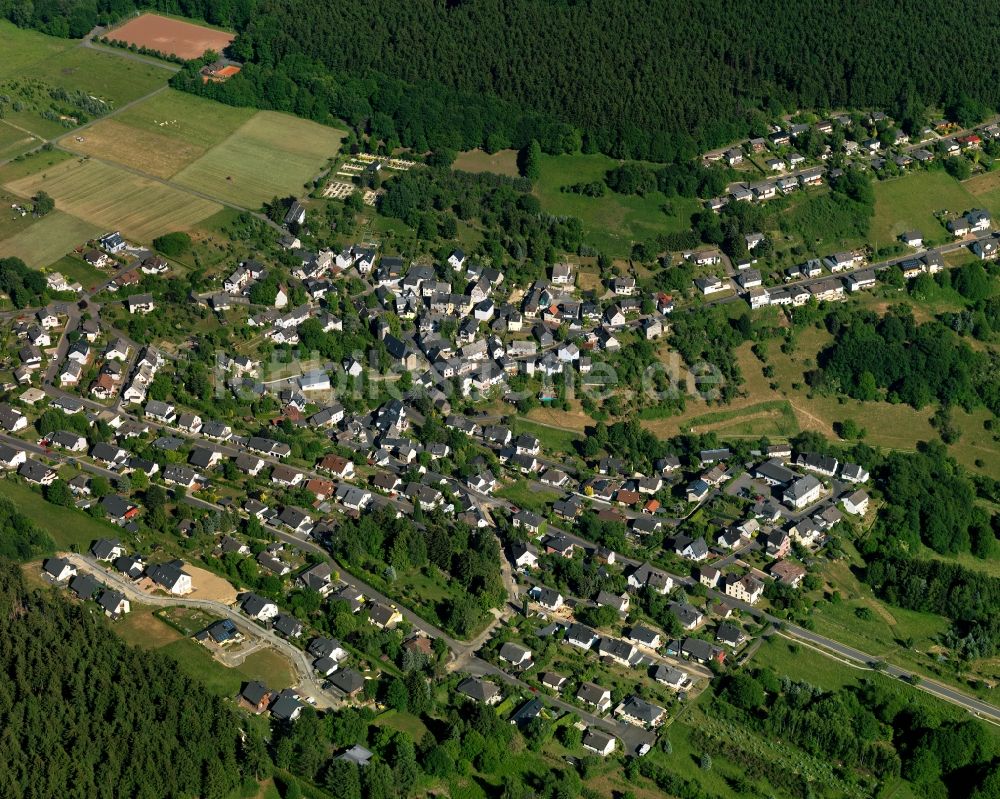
(502, 162)
(74, 268)
(270, 154)
(986, 188)
(196, 662)
(49, 239)
(612, 222)
(802, 663)
(773, 418)
(13, 141)
(22, 47)
(269, 666)
(552, 439)
(107, 76)
(909, 203)
(404, 722)
(526, 495)
(68, 527)
(142, 628)
(139, 207)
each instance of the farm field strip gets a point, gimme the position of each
(149, 152)
(269, 154)
(115, 199)
(49, 239)
(186, 117)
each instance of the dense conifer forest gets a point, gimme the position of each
(82, 714)
(653, 79)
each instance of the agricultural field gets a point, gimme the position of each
(910, 202)
(502, 162)
(612, 222)
(149, 152)
(95, 83)
(114, 79)
(270, 154)
(49, 239)
(161, 135)
(171, 36)
(186, 118)
(111, 198)
(986, 189)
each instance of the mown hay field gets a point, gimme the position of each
(271, 154)
(115, 199)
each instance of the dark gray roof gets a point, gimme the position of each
(84, 586)
(479, 690)
(347, 680)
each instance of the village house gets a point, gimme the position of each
(171, 577)
(746, 589)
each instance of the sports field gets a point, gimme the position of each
(171, 36)
(113, 198)
(271, 154)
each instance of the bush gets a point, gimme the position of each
(173, 244)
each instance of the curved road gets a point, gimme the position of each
(308, 685)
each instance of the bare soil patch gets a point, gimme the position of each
(210, 586)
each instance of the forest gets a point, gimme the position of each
(433, 200)
(617, 77)
(894, 358)
(20, 538)
(872, 728)
(105, 719)
(930, 499)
